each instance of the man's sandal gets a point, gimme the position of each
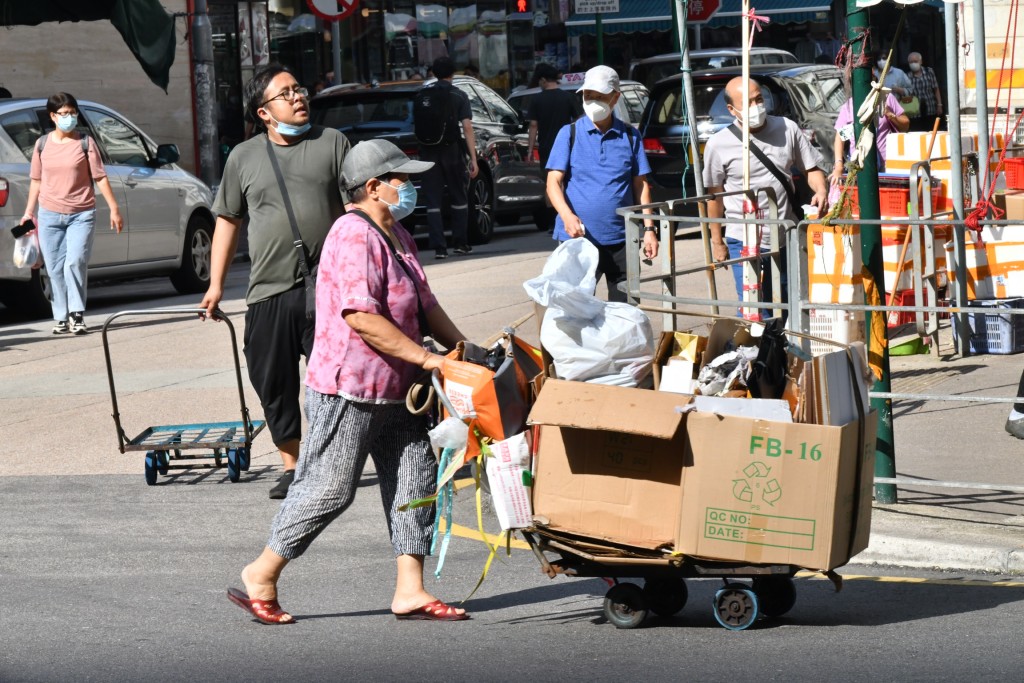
(265, 611)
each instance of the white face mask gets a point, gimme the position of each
(880, 64)
(596, 110)
(757, 116)
(915, 66)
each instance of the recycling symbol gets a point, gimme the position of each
(756, 480)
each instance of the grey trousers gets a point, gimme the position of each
(341, 435)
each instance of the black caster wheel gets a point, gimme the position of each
(162, 461)
(665, 597)
(775, 594)
(624, 605)
(736, 607)
(243, 459)
(152, 465)
(234, 465)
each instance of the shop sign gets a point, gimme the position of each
(333, 10)
(702, 10)
(597, 6)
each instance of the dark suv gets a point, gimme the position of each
(507, 183)
(810, 95)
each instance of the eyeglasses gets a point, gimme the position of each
(295, 93)
(67, 113)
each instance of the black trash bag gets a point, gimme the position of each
(768, 371)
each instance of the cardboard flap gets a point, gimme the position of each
(618, 409)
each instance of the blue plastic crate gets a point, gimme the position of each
(992, 332)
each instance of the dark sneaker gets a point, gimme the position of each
(440, 255)
(280, 490)
(463, 250)
(78, 324)
(1016, 427)
(61, 327)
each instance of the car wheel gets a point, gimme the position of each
(194, 275)
(31, 297)
(481, 210)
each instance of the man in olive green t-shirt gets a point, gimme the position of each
(277, 331)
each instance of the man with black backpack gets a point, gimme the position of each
(439, 111)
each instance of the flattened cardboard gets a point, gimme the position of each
(768, 492)
(608, 461)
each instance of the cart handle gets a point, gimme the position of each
(218, 315)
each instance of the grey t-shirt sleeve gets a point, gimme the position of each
(230, 201)
(714, 166)
(341, 150)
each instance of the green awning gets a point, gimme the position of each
(777, 11)
(634, 16)
(145, 25)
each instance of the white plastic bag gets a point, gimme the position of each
(589, 340)
(450, 433)
(26, 250)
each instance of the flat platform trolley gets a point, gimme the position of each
(229, 443)
(771, 591)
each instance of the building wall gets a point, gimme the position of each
(90, 60)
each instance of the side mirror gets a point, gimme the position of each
(167, 154)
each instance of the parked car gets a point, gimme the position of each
(629, 108)
(651, 70)
(168, 225)
(810, 95)
(507, 183)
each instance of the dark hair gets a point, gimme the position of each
(546, 71)
(358, 193)
(5, 93)
(60, 99)
(443, 67)
(256, 89)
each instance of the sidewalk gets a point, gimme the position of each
(55, 403)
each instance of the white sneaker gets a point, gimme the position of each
(61, 327)
(78, 324)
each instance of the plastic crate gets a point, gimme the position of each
(840, 326)
(994, 333)
(1014, 173)
(893, 201)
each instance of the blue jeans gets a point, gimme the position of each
(66, 242)
(735, 251)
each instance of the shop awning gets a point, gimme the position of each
(146, 27)
(634, 16)
(778, 11)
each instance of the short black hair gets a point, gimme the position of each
(60, 99)
(255, 91)
(547, 72)
(358, 193)
(443, 67)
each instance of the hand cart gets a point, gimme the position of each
(736, 606)
(229, 443)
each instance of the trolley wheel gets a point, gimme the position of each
(243, 459)
(665, 597)
(775, 594)
(152, 465)
(624, 605)
(162, 461)
(234, 465)
(736, 607)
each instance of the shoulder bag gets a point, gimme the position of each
(308, 274)
(787, 182)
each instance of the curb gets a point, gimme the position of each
(921, 553)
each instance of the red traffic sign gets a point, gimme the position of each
(333, 10)
(702, 10)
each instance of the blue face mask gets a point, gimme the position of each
(289, 130)
(406, 200)
(67, 122)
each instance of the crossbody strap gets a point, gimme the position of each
(787, 183)
(299, 244)
(421, 313)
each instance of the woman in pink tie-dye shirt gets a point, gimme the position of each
(373, 308)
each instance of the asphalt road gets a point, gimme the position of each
(103, 578)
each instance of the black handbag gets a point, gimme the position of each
(308, 273)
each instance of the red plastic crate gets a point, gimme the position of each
(1015, 173)
(892, 201)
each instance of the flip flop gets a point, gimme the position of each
(433, 611)
(265, 611)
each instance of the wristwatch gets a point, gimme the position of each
(650, 228)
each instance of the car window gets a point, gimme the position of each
(804, 89)
(833, 92)
(476, 105)
(636, 100)
(23, 128)
(708, 101)
(521, 103)
(122, 143)
(502, 113)
(348, 112)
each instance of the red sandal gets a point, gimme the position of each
(265, 611)
(433, 611)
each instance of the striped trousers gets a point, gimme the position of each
(341, 435)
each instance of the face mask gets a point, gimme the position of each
(757, 116)
(915, 66)
(67, 122)
(880, 64)
(596, 110)
(289, 130)
(406, 200)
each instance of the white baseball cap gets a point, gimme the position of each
(601, 79)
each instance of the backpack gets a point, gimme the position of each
(85, 148)
(434, 120)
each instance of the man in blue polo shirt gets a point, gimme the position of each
(594, 171)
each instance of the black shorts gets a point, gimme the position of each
(277, 335)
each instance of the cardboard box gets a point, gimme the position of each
(770, 492)
(608, 462)
(688, 346)
(1014, 204)
(995, 270)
